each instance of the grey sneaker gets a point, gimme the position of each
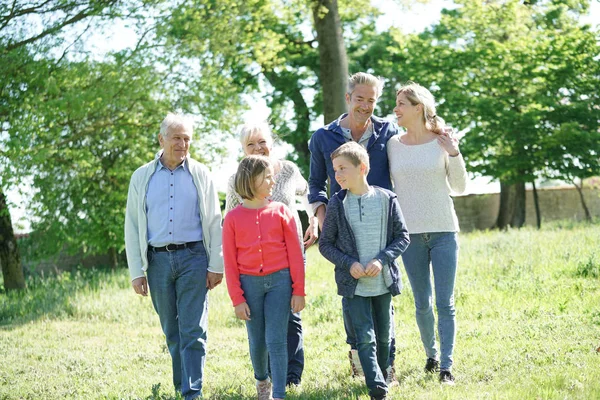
(357, 370)
(263, 389)
(391, 379)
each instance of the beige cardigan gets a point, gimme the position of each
(136, 220)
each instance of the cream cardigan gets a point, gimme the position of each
(136, 222)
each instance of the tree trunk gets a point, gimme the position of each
(114, 261)
(333, 63)
(12, 271)
(586, 210)
(512, 206)
(536, 202)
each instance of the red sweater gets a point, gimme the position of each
(260, 242)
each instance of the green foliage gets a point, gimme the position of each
(519, 79)
(528, 326)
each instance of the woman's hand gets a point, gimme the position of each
(312, 232)
(449, 142)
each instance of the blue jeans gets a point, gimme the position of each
(351, 336)
(295, 347)
(440, 250)
(177, 281)
(371, 318)
(268, 298)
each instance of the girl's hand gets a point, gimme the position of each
(242, 311)
(312, 232)
(297, 303)
(449, 142)
(357, 270)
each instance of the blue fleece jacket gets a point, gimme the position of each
(338, 245)
(328, 138)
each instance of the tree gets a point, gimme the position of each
(292, 49)
(78, 127)
(501, 71)
(9, 253)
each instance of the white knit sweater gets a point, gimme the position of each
(424, 176)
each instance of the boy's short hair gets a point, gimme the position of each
(354, 152)
(250, 167)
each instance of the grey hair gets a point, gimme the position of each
(418, 94)
(249, 129)
(173, 120)
(364, 78)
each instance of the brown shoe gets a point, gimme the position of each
(391, 379)
(263, 389)
(357, 371)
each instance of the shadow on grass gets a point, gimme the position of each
(51, 296)
(353, 391)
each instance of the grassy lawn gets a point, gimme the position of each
(528, 309)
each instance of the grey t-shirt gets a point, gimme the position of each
(367, 216)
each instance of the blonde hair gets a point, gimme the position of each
(418, 94)
(363, 78)
(355, 153)
(250, 168)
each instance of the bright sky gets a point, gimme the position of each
(416, 19)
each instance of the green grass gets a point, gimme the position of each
(528, 309)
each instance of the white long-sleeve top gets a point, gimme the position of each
(424, 176)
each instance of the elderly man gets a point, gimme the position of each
(373, 133)
(173, 243)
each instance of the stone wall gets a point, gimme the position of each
(479, 211)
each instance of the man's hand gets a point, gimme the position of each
(373, 268)
(321, 215)
(312, 232)
(297, 303)
(213, 279)
(140, 285)
(357, 270)
(242, 311)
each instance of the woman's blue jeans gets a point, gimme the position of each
(438, 253)
(371, 318)
(268, 298)
(177, 282)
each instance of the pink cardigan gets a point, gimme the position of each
(260, 242)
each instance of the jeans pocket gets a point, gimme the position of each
(197, 249)
(150, 256)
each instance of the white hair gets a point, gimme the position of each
(172, 121)
(250, 129)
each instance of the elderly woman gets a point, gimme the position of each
(425, 165)
(289, 183)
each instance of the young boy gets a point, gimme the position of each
(363, 234)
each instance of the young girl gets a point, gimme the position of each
(264, 269)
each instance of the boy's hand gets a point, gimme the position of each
(357, 270)
(242, 311)
(373, 268)
(297, 303)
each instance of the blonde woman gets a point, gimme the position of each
(426, 165)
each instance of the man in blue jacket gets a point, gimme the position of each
(359, 125)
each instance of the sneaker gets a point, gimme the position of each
(432, 365)
(292, 380)
(263, 389)
(357, 370)
(391, 379)
(446, 377)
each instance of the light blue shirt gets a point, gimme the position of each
(172, 207)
